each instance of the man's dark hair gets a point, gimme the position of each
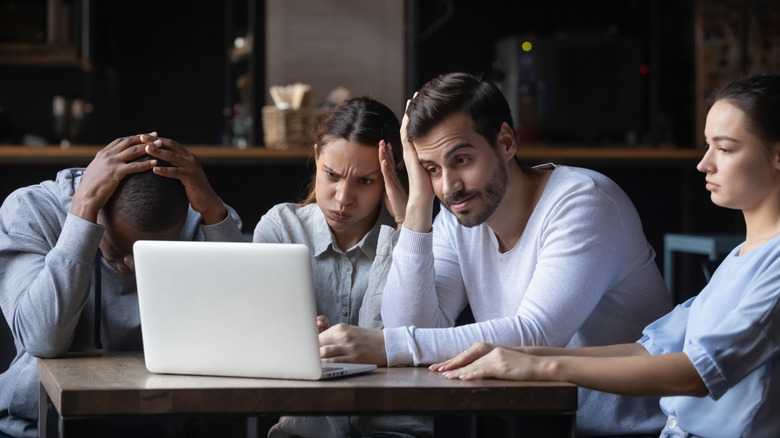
(459, 92)
(149, 201)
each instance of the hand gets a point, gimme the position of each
(395, 195)
(322, 323)
(102, 176)
(185, 168)
(419, 210)
(352, 344)
(485, 360)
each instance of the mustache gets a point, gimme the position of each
(458, 196)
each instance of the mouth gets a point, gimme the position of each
(461, 204)
(339, 216)
(710, 185)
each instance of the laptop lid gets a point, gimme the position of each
(229, 309)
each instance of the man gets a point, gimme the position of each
(549, 255)
(67, 278)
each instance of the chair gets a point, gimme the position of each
(714, 246)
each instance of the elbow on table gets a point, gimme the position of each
(46, 348)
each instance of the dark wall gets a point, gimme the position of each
(156, 65)
(161, 64)
(464, 42)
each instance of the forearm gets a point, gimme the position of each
(409, 296)
(419, 214)
(637, 375)
(617, 350)
(227, 230)
(52, 289)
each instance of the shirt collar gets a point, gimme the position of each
(324, 239)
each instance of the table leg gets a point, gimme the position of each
(47, 421)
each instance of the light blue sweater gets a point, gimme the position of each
(47, 261)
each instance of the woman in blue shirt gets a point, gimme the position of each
(714, 358)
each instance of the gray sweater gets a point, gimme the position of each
(47, 293)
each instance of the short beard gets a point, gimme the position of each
(493, 194)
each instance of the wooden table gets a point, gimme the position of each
(84, 388)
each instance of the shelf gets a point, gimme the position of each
(82, 155)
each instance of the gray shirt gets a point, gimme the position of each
(47, 288)
(348, 284)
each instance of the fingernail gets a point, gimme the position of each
(158, 142)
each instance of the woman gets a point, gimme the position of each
(714, 358)
(349, 220)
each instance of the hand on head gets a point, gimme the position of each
(419, 180)
(395, 195)
(184, 166)
(103, 174)
(420, 206)
(351, 344)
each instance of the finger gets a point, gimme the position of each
(473, 353)
(469, 372)
(123, 144)
(333, 352)
(148, 138)
(170, 172)
(157, 150)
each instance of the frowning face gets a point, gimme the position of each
(349, 188)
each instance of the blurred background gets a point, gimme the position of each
(614, 85)
(608, 72)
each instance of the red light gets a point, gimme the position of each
(644, 69)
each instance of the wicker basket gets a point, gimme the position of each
(290, 129)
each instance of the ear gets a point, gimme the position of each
(506, 146)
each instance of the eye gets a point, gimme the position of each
(366, 181)
(330, 174)
(724, 150)
(432, 170)
(462, 160)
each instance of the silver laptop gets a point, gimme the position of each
(230, 309)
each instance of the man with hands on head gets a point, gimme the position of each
(67, 278)
(547, 255)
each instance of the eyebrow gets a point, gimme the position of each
(722, 138)
(329, 169)
(449, 153)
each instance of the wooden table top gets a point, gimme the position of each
(119, 383)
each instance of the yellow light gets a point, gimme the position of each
(527, 46)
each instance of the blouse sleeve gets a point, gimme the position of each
(667, 334)
(747, 336)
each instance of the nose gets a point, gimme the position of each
(705, 165)
(344, 193)
(451, 182)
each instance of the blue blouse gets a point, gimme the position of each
(731, 334)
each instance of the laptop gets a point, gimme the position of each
(230, 309)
